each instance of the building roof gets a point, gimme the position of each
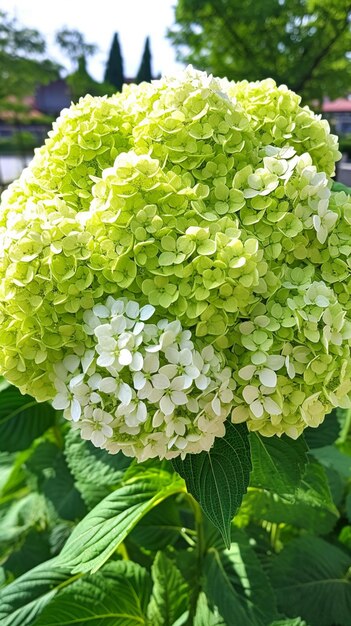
(341, 105)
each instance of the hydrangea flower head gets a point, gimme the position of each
(174, 255)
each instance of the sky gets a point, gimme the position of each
(133, 20)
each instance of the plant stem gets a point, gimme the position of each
(123, 551)
(200, 553)
(346, 430)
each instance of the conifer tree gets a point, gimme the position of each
(81, 83)
(114, 66)
(145, 73)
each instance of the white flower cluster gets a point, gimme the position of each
(143, 388)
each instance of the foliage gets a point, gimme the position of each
(218, 478)
(63, 565)
(23, 61)
(72, 42)
(323, 587)
(345, 145)
(21, 142)
(145, 71)
(299, 43)
(114, 74)
(80, 83)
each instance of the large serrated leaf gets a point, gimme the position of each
(348, 506)
(116, 596)
(60, 490)
(236, 583)
(22, 600)
(22, 419)
(277, 463)
(169, 600)
(312, 508)
(312, 579)
(19, 515)
(33, 550)
(332, 458)
(86, 461)
(98, 535)
(218, 479)
(206, 615)
(159, 528)
(295, 621)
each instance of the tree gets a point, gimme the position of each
(114, 66)
(301, 43)
(81, 83)
(23, 62)
(72, 43)
(144, 73)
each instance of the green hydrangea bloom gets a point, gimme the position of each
(210, 202)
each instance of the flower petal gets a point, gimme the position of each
(105, 359)
(98, 438)
(76, 410)
(160, 381)
(268, 377)
(125, 393)
(125, 357)
(146, 312)
(256, 408)
(271, 406)
(166, 405)
(250, 393)
(247, 372)
(61, 402)
(179, 397)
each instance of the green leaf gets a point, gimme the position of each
(312, 509)
(236, 583)
(332, 458)
(35, 549)
(60, 490)
(22, 600)
(11, 474)
(219, 478)
(348, 506)
(296, 621)
(312, 579)
(345, 537)
(22, 419)
(277, 463)
(169, 600)
(98, 535)
(18, 476)
(159, 528)
(21, 515)
(42, 459)
(59, 535)
(116, 596)
(2, 576)
(341, 187)
(86, 461)
(337, 485)
(206, 616)
(325, 434)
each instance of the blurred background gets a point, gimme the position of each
(53, 53)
